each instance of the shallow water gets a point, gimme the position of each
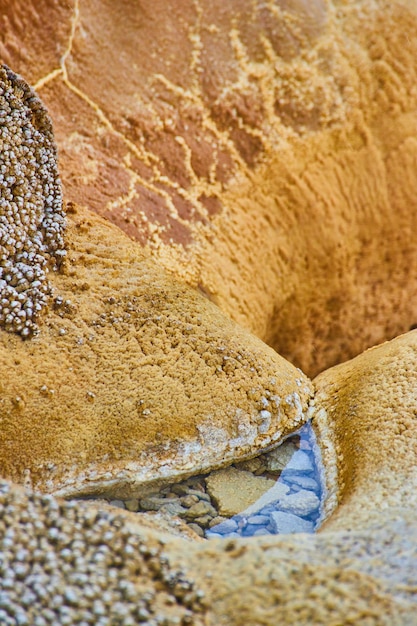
(294, 504)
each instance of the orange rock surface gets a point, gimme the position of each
(265, 152)
(366, 417)
(135, 378)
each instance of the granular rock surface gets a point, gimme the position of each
(64, 563)
(266, 153)
(70, 563)
(200, 506)
(135, 378)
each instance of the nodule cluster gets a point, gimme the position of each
(32, 219)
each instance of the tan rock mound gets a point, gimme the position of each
(366, 418)
(266, 153)
(135, 377)
(360, 568)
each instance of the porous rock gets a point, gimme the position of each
(266, 153)
(135, 378)
(365, 420)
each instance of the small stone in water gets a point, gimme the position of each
(301, 503)
(286, 523)
(188, 501)
(132, 505)
(226, 527)
(300, 462)
(173, 507)
(261, 531)
(200, 509)
(217, 520)
(252, 465)
(258, 519)
(277, 491)
(305, 482)
(278, 458)
(180, 489)
(152, 503)
(197, 529)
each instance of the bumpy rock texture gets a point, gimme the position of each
(366, 409)
(267, 152)
(31, 216)
(135, 377)
(63, 563)
(70, 563)
(95, 564)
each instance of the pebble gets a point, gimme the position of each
(174, 508)
(132, 505)
(258, 519)
(119, 503)
(278, 491)
(197, 529)
(285, 523)
(300, 462)
(261, 531)
(226, 527)
(305, 482)
(302, 503)
(188, 501)
(200, 509)
(278, 459)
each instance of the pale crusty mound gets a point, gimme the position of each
(266, 152)
(66, 563)
(135, 377)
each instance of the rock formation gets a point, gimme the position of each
(90, 563)
(265, 153)
(135, 377)
(266, 156)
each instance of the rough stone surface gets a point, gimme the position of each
(106, 567)
(299, 462)
(366, 422)
(278, 458)
(69, 563)
(302, 503)
(276, 492)
(234, 490)
(135, 378)
(284, 523)
(265, 153)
